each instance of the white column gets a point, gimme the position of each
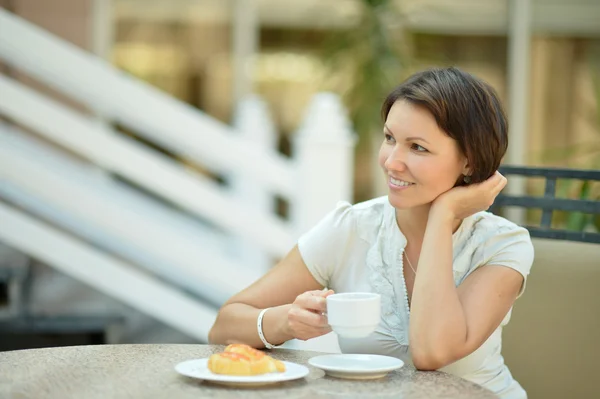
(245, 43)
(101, 36)
(102, 28)
(253, 123)
(519, 40)
(324, 152)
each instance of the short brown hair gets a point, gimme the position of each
(466, 108)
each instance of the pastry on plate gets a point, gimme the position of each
(240, 359)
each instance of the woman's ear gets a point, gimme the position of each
(466, 170)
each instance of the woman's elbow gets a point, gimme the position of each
(430, 360)
(212, 335)
(427, 364)
(215, 336)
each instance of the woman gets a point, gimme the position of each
(444, 136)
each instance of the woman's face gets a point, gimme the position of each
(419, 160)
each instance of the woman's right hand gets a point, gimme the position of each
(307, 318)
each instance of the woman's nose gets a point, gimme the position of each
(395, 160)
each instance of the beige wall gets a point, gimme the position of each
(69, 19)
(564, 107)
(552, 343)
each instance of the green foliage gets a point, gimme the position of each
(371, 58)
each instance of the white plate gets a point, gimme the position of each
(198, 368)
(358, 367)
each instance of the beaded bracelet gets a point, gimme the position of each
(259, 327)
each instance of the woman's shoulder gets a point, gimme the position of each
(370, 215)
(364, 218)
(362, 211)
(371, 207)
(486, 225)
(489, 234)
(328, 245)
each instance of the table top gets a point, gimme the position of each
(147, 371)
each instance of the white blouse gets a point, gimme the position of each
(359, 248)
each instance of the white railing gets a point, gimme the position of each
(254, 123)
(107, 274)
(317, 175)
(157, 116)
(174, 248)
(324, 148)
(150, 170)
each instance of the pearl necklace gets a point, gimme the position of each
(409, 264)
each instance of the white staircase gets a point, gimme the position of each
(136, 226)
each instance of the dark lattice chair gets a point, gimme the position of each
(559, 315)
(549, 203)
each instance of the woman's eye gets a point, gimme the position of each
(418, 148)
(389, 138)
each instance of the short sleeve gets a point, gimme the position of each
(324, 247)
(512, 248)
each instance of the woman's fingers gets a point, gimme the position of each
(497, 179)
(493, 186)
(301, 325)
(308, 317)
(313, 300)
(305, 332)
(500, 183)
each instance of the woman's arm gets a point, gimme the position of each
(288, 282)
(448, 323)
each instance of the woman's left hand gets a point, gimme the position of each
(461, 202)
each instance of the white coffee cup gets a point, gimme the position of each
(354, 314)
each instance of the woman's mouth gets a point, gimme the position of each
(399, 184)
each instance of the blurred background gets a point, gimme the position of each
(158, 156)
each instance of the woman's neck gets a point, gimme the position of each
(413, 223)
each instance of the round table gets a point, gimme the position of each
(147, 371)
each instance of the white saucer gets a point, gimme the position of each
(358, 367)
(197, 368)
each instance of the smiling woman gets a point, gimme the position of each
(443, 138)
(442, 133)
